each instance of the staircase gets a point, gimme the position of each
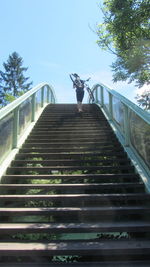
(72, 198)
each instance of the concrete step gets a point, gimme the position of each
(128, 226)
(47, 169)
(70, 162)
(75, 178)
(86, 150)
(74, 212)
(106, 144)
(79, 200)
(82, 248)
(122, 263)
(76, 188)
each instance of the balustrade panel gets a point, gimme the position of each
(118, 112)
(6, 136)
(106, 99)
(38, 100)
(45, 94)
(140, 136)
(24, 115)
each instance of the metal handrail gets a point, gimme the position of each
(122, 130)
(47, 95)
(144, 115)
(10, 107)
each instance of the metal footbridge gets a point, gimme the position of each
(75, 188)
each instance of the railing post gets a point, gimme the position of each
(42, 97)
(110, 106)
(126, 126)
(96, 95)
(101, 96)
(48, 94)
(15, 127)
(51, 97)
(33, 108)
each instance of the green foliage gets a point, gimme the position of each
(70, 258)
(144, 99)
(114, 235)
(2, 93)
(13, 83)
(9, 98)
(125, 32)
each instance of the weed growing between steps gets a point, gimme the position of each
(45, 181)
(66, 259)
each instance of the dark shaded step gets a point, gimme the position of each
(72, 144)
(79, 200)
(75, 155)
(87, 122)
(79, 128)
(71, 150)
(77, 177)
(77, 188)
(70, 134)
(77, 140)
(44, 170)
(77, 211)
(74, 117)
(128, 248)
(82, 264)
(74, 127)
(129, 226)
(115, 155)
(69, 162)
(72, 123)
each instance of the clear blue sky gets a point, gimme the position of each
(54, 38)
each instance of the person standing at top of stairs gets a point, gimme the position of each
(79, 85)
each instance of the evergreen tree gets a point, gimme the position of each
(14, 81)
(1, 93)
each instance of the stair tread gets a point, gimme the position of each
(51, 176)
(65, 227)
(107, 143)
(90, 131)
(82, 264)
(76, 185)
(80, 247)
(76, 209)
(127, 166)
(104, 151)
(107, 196)
(70, 161)
(80, 154)
(66, 140)
(41, 126)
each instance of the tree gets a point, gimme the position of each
(14, 81)
(2, 94)
(143, 99)
(125, 32)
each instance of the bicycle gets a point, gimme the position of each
(86, 86)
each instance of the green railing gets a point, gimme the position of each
(18, 118)
(131, 125)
